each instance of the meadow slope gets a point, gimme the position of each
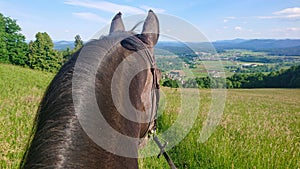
(259, 127)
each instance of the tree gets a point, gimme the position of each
(171, 83)
(78, 42)
(229, 84)
(289, 78)
(190, 83)
(42, 56)
(68, 53)
(13, 48)
(3, 50)
(295, 79)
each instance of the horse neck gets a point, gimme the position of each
(59, 139)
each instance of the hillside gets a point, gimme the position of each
(284, 47)
(21, 90)
(258, 44)
(289, 78)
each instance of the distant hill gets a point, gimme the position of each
(258, 43)
(183, 48)
(286, 47)
(282, 47)
(289, 51)
(233, 41)
(63, 45)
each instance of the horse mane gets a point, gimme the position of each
(56, 128)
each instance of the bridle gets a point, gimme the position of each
(155, 98)
(155, 85)
(154, 95)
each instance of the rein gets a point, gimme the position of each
(163, 152)
(152, 131)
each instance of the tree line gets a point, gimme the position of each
(38, 54)
(289, 78)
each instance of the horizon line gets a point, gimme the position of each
(59, 40)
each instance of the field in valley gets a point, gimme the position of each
(259, 127)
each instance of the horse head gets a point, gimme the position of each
(137, 73)
(115, 74)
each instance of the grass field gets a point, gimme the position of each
(260, 128)
(20, 92)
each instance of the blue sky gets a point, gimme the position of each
(216, 19)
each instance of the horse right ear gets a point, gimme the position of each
(149, 35)
(117, 24)
(150, 31)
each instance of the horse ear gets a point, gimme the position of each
(149, 35)
(150, 31)
(117, 24)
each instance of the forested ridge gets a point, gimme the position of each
(38, 54)
(289, 78)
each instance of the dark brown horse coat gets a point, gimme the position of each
(58, 139)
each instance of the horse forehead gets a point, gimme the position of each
(120, 35)
(111, 39)
(110, 46)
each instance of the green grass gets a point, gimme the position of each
(20, 93)
(259, 127)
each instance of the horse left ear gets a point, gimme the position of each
(150, 31)
(117, 24)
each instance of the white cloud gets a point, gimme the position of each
(288, 13)
(290, 30)
(90, 16)
(293, 29)
(238, 28)
(109, 7)
(230, 17)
